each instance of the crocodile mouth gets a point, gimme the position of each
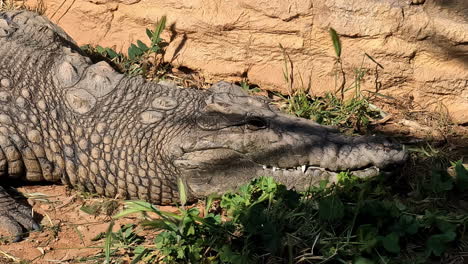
(304, 176)
(307, 169)
(218, 170)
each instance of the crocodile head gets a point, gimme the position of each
(237, 137)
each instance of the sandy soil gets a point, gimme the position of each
(67, 231)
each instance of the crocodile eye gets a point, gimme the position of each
(255, 123)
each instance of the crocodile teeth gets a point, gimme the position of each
(274, 169)
(264, 167)
(304, 168)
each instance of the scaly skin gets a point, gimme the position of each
(63, 118)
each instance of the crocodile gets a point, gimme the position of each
(65, 118)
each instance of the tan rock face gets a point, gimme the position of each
(423, 48)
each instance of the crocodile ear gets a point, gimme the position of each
(228, 88)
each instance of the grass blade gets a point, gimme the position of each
(182, 192)
(159, 29)
(372, 59)
(336, 42)
(108, 243)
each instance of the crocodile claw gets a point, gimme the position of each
(14, 216)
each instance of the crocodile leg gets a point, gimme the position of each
(14, 216)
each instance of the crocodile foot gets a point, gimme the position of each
(14, 216)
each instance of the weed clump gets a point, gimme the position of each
(141, 59)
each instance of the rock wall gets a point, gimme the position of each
(423, 49)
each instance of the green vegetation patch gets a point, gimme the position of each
(352, 221)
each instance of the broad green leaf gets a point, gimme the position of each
(406, 225)
(367, 235)
(149, 33)
(440, 182)
(131, 52)
(362, 260)
(437, 244)
(461, 175)
(226, 255)
(444, 225)
(331, 208)
(391, 242)
(142, 46)
(139, 252)
(336, 42)
(134, 52)
(111, 53)
(100, 49)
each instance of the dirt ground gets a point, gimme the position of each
(68, 231)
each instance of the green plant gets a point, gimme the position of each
(355, 113)
(351, 221)
(141, 59)
(249, 87)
